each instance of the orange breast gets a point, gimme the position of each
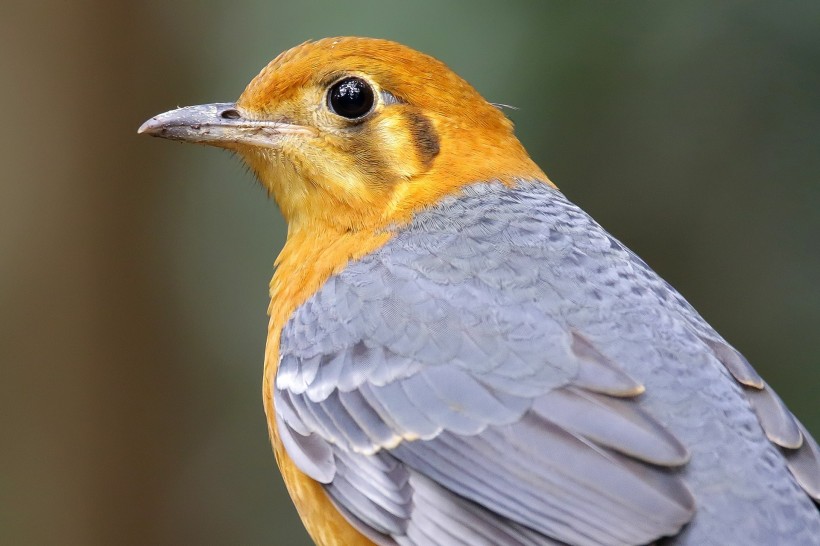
(303, 266)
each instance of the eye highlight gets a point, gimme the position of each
(351, 98)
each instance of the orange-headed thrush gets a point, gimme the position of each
(458, 355)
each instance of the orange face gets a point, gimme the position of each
(352, 133)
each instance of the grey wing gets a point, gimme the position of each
(466, 384)
(496, 411)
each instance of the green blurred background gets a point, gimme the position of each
(133, 271)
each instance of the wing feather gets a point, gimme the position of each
(614, 423)
(470, 383)
(777, 421)
(804, 464)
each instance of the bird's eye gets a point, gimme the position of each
(351, 98)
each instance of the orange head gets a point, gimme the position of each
(356, 133)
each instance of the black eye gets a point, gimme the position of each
(351, 98)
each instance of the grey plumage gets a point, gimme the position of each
(504, 372)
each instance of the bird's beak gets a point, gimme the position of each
(221, 124)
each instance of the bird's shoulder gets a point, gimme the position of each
(509, 254)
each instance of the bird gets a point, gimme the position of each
(457, 354)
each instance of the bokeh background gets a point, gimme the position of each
(133, 271)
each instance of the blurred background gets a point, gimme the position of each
(133, 271)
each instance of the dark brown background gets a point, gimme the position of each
(133, 272)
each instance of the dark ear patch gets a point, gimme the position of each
(424, 135)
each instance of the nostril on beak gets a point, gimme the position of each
(230, 113)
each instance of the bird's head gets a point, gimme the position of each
(352, 133)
